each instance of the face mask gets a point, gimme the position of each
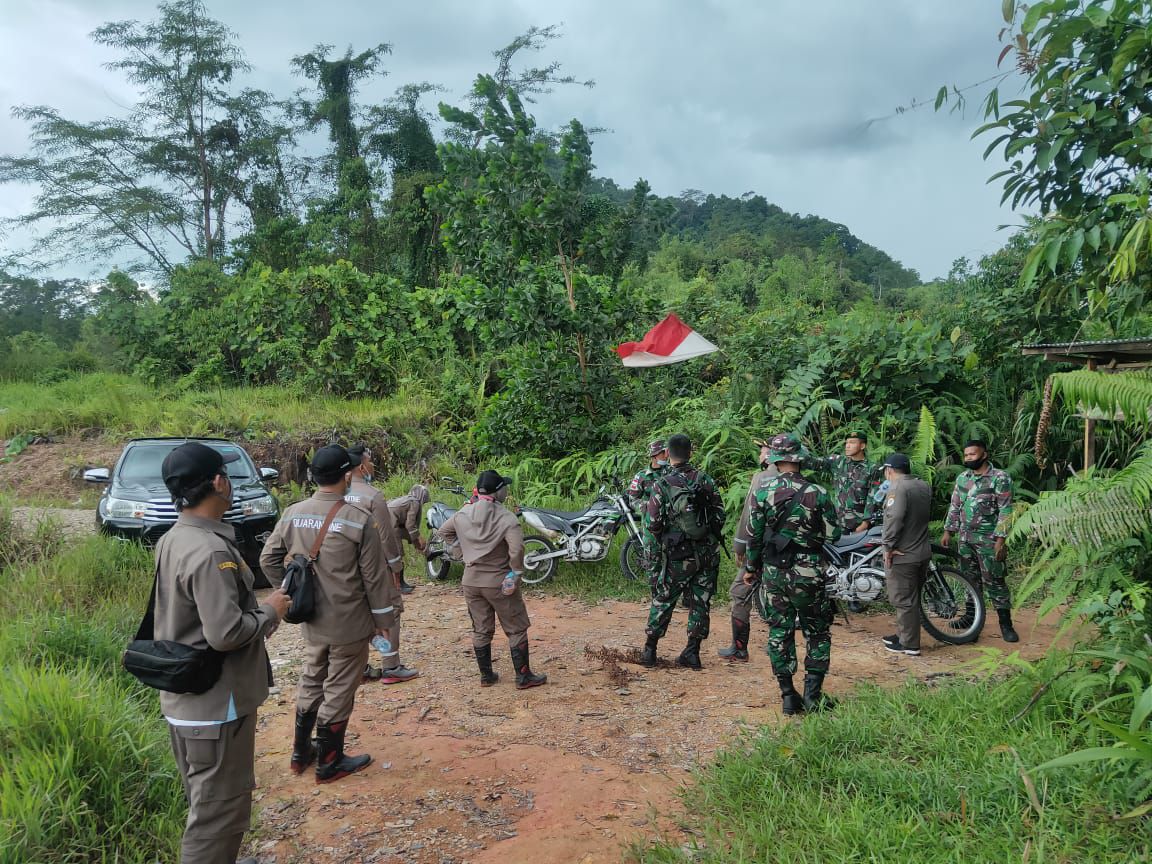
(367, 477)
(975, 464)
(661, 463)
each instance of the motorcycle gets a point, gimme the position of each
(581, 536)
(440, 554)
(951, 608)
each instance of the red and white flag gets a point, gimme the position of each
(670, 341)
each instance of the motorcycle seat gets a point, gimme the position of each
(857, 540)
(558, 514)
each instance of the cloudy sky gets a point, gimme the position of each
(725, 96)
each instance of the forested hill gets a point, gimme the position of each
(754, 230)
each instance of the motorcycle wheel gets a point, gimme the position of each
(632, 559)
(951, 608)
(537, 571)
(437, 568)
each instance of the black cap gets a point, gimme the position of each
(191, 464)
(490, 481)
(357, 452)
(898, 461)
(330, 463)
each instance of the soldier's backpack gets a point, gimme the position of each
(687, 511)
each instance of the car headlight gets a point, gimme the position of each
(119, 508)
(263, 506)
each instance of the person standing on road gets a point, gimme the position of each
(855, 481)
(493, 545)
(406, 511)
(907, 550)
(979, 510)
(686, 516)
(205, 599)
(639, 491)
(741, 593)
(355, 600)
(363, 494)
(788, 525)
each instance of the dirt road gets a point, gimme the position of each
(569, 772)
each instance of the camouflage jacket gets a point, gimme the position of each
(854, 487)
(809, 522)
(980, 506)
(640, 489)
(657, 514)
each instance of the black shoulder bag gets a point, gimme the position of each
(170, 666)
(300, 576)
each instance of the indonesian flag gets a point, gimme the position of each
(670, 341)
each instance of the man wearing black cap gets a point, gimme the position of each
(355, 599)
(493, 546)
(204, 598)
(907, 550)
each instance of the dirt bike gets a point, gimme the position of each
(951, 608)
(581, 536)
(441, 555)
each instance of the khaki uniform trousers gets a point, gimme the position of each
(904, 583)
(392, 659)
(742, 597)
(216, 766)
(329, 680)
(485, 605)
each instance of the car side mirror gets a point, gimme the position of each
(96, 475)
(269, 474)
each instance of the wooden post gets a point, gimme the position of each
(1089, 430)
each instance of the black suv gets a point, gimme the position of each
(136, 505)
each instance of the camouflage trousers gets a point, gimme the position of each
(693, 577)
(791, 593)
(978, 562)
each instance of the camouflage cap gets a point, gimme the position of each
(657, 447)
(786, 448)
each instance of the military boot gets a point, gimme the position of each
(525, 677)
(484, 660)
(738, 650)
(793, 704)
(648, 655)
(690, 656)
(331, 762)
(303, 752)
(815, 699)
(1006, 628)
(405, 588)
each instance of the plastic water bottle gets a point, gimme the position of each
(381, 644)
(508, 586)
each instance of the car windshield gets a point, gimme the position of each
(142, 463)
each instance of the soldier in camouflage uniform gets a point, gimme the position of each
(855, 482)
(980, 507)
(686, 516)
(789, 522)
(639, 491)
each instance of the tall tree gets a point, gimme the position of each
(159, 182)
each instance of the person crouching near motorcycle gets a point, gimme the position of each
(493, 545)
(686, 516)
(788, 524)
(406, 511)
(907, 550)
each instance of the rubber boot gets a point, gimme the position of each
(793, 704)
(405, 588)
(690, 656)
(484, 661)
(815, 699)
(331, 762)
(1006, 628)
(303, 752)
(525, 677)
(648, 655)
(738, 650)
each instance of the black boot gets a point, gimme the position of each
(331, 762)
(1006, 629)
(405, 588)
(815, 699)
(793, 704)
(303, 752)
(525, 677)
(738, 650)
(484, 661)
(690, 656)
(648, 655)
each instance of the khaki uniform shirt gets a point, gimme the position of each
(491, 540)
(355, 596)
(740, 541)
(907, 508)
(204, 598)
(366, 496)
(405, 518)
